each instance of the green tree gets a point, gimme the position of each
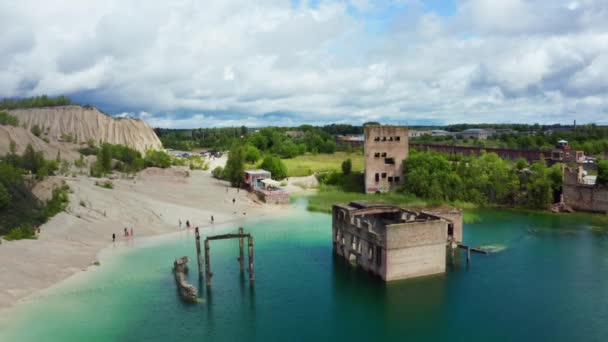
(275, 165)
(104, 158)
(347, 166)
(602, 173)
(235, 165)
(252, 154)
(32, 160)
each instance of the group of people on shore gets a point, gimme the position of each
(126, 234)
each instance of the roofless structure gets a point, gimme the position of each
(392, 242)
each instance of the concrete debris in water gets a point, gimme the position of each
(186, 290)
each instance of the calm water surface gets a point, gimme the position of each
(548, 281)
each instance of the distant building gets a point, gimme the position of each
(392, 242)
(295, 134)
(563, 153)
(475, 133)
(416, 134)
(385, 149)
(440, 133)
(352, 140)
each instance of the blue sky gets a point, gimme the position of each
(186, 63)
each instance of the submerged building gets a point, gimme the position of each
(385, 149)
(392, 242)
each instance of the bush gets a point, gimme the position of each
(5, 196)
(347, 166)
(57, 203)
(157, 159)
(24, 231)
(218, 172)
(602, 173)
(36, 130)
(105, 184)
(7, 119)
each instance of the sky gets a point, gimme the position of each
(190, 63)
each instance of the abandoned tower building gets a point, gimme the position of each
(392, 242)
(385, 149)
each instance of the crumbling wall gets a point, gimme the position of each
(583, 197)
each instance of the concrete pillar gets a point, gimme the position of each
(198, 253)
(207, 266)
(241, 254)
(251, 272)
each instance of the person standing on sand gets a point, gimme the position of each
(211, 218)
(188, 224)
(113, 237)
(233, 201)
(180, 224)
(126, 232)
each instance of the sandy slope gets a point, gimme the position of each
(22, 137)
(85, 123)
(151, 204)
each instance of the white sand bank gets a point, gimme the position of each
(151, 204)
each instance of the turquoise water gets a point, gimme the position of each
(548, 281)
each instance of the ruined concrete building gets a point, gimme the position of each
(386, 147)
(392, 242)
(581, 192)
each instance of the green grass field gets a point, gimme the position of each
(327, 196)
(306, 165)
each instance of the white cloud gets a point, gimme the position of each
(230, 62)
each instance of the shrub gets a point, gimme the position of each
(7, 119)
(5, 196)
(602, 172)
(218, 172)
(105, 184)
(347, 166)
(24, 231)
(57, 203)
(157, 159)
(36, 130)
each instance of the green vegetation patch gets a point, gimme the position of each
(7, 119)
(328, 195)
(308, 164)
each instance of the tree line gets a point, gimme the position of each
(35, 102)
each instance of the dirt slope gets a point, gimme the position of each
(22, 137)
(84, 123)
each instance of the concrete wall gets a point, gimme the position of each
(397, 251)
(415, 249)
(453, 216)
(583, 197)
(381, 143)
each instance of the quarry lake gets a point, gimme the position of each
(547, 280)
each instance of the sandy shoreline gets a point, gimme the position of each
(151, 204)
